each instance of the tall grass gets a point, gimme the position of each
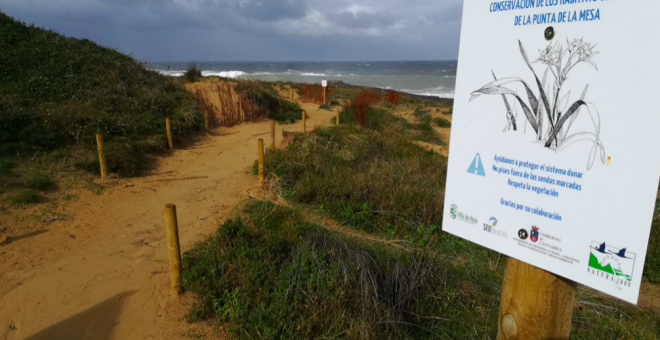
(269, 274)
(193, 74)
(375, 181)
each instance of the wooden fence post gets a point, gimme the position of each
(99, 146)
(535, 304)
(173, 249)
(304, 117)
(272, 135)
(260, 146)
(168, 127)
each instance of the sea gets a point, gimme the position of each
(428, 78)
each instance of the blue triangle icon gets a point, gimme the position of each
(477, 168)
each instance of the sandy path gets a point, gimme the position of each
(103, 275)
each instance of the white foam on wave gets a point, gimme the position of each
(433, 92)
(314, 74)
(170, 73)
(223, 74)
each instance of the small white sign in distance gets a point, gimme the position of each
(554, 141)
(324, 83)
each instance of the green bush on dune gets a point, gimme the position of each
(268, 101)
(363, 178)
(270, 275)
(58, 92)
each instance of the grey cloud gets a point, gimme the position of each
(274, 30)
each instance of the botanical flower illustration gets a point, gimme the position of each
(548, 112)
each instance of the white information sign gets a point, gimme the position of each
(555, 141)
(324, 83)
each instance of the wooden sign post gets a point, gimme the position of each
(168, 127)
(535, 304)
(272, 135)
(325, 85)
(103, 164)
(260, 146)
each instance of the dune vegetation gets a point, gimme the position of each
(276, 271)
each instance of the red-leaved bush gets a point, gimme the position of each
(393, 97)
(363, 102)
(312, 93)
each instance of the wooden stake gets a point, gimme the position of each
(304, 121)
(535, 304)
(272, 135)
(99, 146)
(173, 249)
(168, 127)
(260, 146)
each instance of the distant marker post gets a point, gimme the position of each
(168, 127)
(99, 146)
(325, 85)
(260, 147)
(272, 135)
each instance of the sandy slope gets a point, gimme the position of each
(103, 275)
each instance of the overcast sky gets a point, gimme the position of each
(256, 30)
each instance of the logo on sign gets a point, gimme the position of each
(523, 234)
(477, 168)
(610, 263)
(455, 214)
(534, 235)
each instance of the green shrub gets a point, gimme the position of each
(281, 111)
(268, 274)
(652, 264)
(361, 176)
(193, 74)
(22, 197)
(36, 181)
(334, 103)
(58, 92)
(325, 107)
(6, 166)
(255, 168)
(271, 275)
(441, 122)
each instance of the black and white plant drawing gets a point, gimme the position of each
(547, 110)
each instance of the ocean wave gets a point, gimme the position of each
(170, 73)
(224, 74)
(314, 74)
(433, 92)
